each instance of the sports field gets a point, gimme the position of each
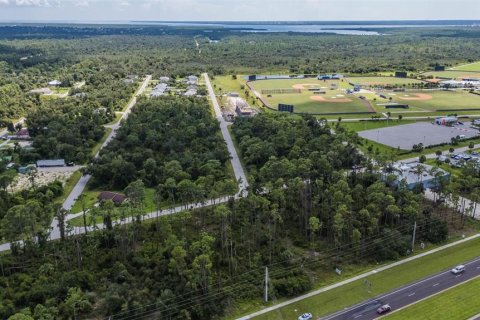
(432, 101)
(453, 74)
(382, 81)
(469, 67)
(334, 100)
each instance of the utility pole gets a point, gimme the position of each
(266, 284)
(413, 238)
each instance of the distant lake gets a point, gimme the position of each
(311, 27)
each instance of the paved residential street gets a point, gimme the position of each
(236, 164)
(78, 189)
(409, 294)
(81, 184)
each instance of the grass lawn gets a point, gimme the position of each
(457, 172)
(369, 125)
(355, 292)
(69, 185)
(90, 198)
(469, 67)
(226, 84)
(458, 303)
(334, 101)
(118, 116)
(440, 100)
(452, 74)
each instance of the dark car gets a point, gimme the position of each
(384, 309)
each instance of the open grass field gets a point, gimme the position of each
(459, 303)
(335, 101)
(372, 81)
(469, 67)
(91, 197)
(370, 125)
(431, 101)
(453, 74)
(355, 292)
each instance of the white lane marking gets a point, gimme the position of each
(347, 309)
(436, 284)
(411, 294)
(358, 316)
(458, 275)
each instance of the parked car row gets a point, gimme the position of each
(458, 160)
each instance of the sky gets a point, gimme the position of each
(237, 10)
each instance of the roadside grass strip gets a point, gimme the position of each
(381, 280)
(456, 303)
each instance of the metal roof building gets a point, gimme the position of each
(51, 163)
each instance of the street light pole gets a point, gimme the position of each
(414, 231)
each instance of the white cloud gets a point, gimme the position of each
(81, 3)
(29, 3)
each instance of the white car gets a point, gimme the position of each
(305, 316)
(458, 269)
(384, 309)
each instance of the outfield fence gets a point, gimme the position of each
(281, 91)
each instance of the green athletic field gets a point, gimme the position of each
(459, 303)
(469, 67)
(440, 100)
(452, 74)
(336, 101)
(371, 81)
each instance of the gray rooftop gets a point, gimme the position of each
(51, 163)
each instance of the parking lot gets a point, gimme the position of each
(405, 136)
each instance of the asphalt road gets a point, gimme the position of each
(240, 175)
(408, 294)
(78, 189)
(82, 183)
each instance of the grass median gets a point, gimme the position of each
(347, 295)
(458, 303)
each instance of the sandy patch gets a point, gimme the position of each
(417, 97)
(335, 100)
(305, 86)
(42, 178)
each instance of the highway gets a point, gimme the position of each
(408, 294)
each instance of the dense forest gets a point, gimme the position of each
(171, 143)
(307, 212)
(102, 57)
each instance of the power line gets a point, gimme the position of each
(288, 269)
(236, 287)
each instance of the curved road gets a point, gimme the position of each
(409, 294)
